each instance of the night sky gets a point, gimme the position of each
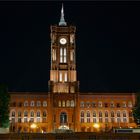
(107, 44)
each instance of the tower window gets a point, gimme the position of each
(63, 55)
(66, 77)
(60, 76)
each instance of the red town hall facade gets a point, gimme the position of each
(64, 107)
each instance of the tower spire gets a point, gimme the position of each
(62, 20)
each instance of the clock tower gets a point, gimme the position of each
(63, 76)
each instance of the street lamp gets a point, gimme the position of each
(96, 126)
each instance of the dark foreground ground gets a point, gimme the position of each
(70, 136)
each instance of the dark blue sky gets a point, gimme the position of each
(107, 38)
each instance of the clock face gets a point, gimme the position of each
(63, 41)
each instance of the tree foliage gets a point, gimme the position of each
(136, 109)
(4, 106)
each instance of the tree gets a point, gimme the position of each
(136, 109)
(4, 106)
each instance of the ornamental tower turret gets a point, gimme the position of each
(63, 75)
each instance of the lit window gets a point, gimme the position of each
(13, 114)
(82, 104)
(106, 120)
(44, 103)
(124, 120)
(25, 114)
(100, 120)
(54, 54)
(38, 119)
(94, 114)
(112, 104)
(124, 104)
(88, 104)
(63, 103)
(118, 120)
(88, 114)
(93, 104)
(66, 77)
(94, 120)
(63, 55)
(124, 114)
(82, 113)
(118, 114)
(68, 103)
(32, 114)
(100, 114)
(106, 114)
(72, 103)
(25, 120)
(26, 103)
(32, 103)
(59, 103)
(19, 114)
(100, 104)
(71, 55)
(60, 76)
(112, 113)
(44, 114)
(38, 103)
(38, 114)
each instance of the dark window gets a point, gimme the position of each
(63, 117)
(118, 105)
(106, 104)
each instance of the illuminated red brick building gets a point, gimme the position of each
(64, 107)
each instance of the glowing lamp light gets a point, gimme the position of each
(96, 125)
(33, 126)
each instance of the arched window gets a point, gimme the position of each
(19, 113)
(118, 114)
(32, 103)
(82, 117)
(32, 114)
(82, 113)
(88, 114)
(72, 103)
(59, 103)
(63, 103)
(26, 103)
(38, 114)
(68, 103)
(124, 104)
(13, 114)
(93, 104)
(106, 114)
(112, 113)
(112, 104)
(81, 104)
(44, 103)
(44, 114)
(87, 104)
(63, 117)
(100, 114)
(124, 113)
(65, 77)
(88, 117)
(38, 103)
(25, 113)
(94, 114)
(99, 104)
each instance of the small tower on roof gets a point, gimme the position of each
(62, 19)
